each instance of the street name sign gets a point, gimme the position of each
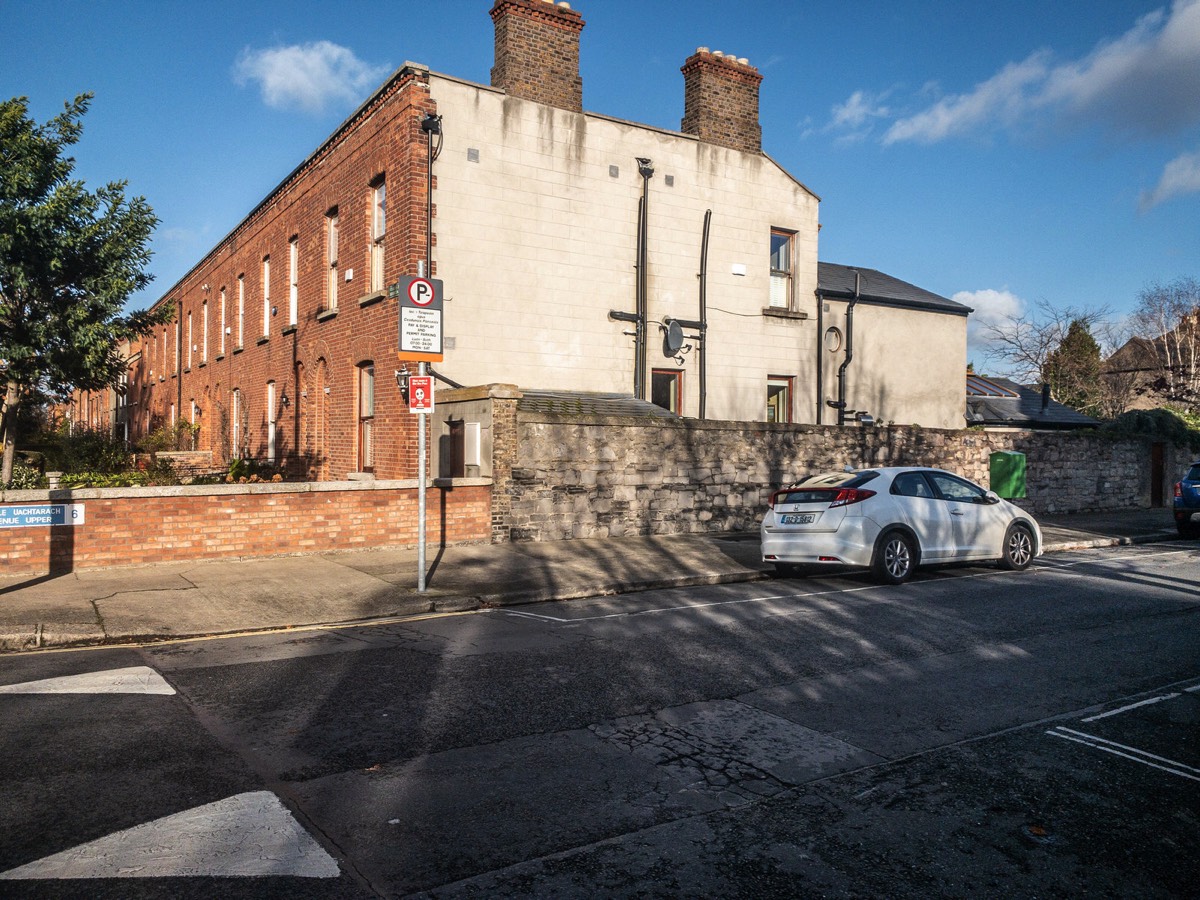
(41, 515)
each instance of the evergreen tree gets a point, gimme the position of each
(70, 258)
(1073, 370)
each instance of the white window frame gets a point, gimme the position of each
(785, 384)
(366, 416)
(221, 337)
(331, 258)
(293, 280)
(782, 271)
(235, 423)
(266, 295)
(378, 230)
(271, 421)
(241, 318)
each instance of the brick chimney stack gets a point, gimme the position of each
(720, 100)
(537, 52)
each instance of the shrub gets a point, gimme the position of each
(1165, 423)
(83, 449)
(25, 478)
(180, 436)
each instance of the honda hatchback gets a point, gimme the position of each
(892, 520)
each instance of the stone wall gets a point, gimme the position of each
(576, 478)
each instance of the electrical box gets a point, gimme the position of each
(1006, 468)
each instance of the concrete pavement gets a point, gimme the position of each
(175, 600)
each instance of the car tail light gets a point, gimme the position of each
(846, 496)
(1179, 489)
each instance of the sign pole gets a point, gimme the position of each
(421, 416)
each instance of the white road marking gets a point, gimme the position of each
(133, 680)
(1123, 709)
(247, 835)
(1053, 564)
(1142, 756)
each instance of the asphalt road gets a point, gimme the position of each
(972, 733)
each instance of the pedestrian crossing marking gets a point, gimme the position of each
(131, 680)
(247, 835)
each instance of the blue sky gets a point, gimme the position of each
(1002, 154)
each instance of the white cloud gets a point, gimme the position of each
(308, 76)
(1000, 98)
(1181, 176)
(858, 110)
(854, 119)
(1145, 82)
(990, 307)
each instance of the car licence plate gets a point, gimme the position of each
(798, 519)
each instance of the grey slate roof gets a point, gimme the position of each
(1023, 409)
(875, 287)
(590, 403)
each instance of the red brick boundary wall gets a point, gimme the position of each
(137, 526)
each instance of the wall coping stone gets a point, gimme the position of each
(227, 490)
(480, 392)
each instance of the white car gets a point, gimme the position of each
(893, 519)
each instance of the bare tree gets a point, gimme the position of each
(1167, 326)
(1023, 344)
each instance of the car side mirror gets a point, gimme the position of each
(991, 497)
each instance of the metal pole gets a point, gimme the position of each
(421, 494)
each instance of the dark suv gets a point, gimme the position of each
(1187, 501)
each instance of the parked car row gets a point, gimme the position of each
(893, 520)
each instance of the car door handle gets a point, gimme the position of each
(957, 512)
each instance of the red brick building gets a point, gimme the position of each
(568, 243)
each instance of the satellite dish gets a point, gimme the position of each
(672, 337)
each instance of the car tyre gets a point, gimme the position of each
(1018, 548)
(1187, 529)
(895, 558)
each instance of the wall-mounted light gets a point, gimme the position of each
(283, 399)
(431, 124)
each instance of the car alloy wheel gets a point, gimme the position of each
(894, 559)
(1018, 548)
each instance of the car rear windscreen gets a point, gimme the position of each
(823, 488)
